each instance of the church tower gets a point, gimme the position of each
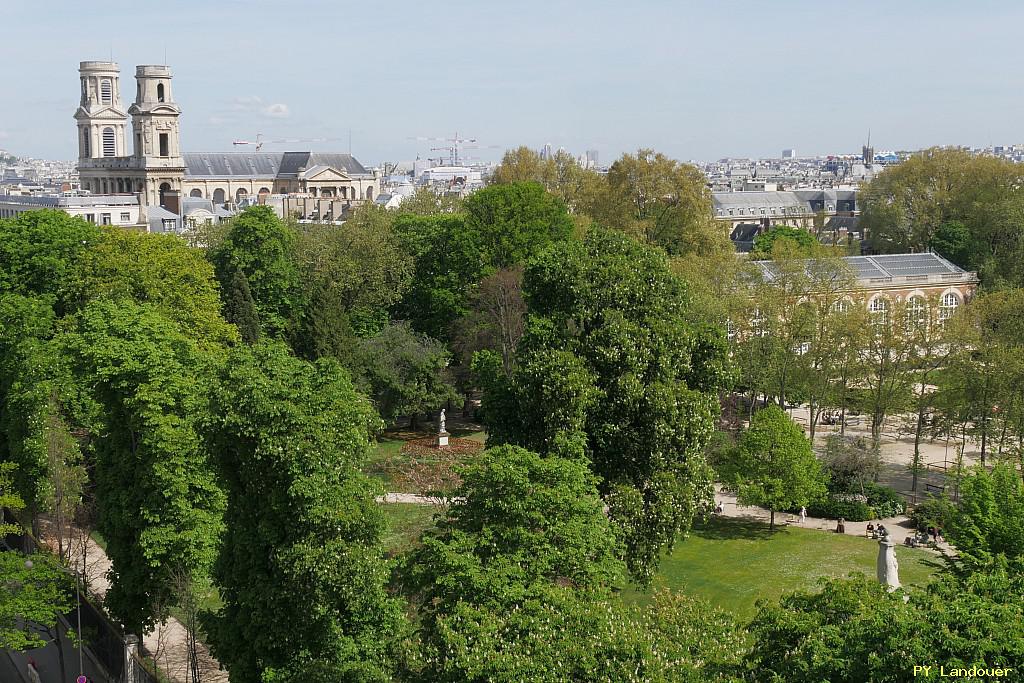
(101, 126)
(101, 121)
(157, 149)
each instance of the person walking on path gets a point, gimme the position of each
(803, 514)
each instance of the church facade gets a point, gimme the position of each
(156, 170)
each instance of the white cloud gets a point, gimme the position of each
(276, 111)
(253, 104)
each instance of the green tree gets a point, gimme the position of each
(611, 371)
(854, 630)
(774, 464)
(405, 373)
(354, 273)
(968, 207)
(301, 571)
(523, 533)
(34, 591)
(159, 505)
(262, 247)
(448, 264)
(560, 174)
(512, 222)
(665, 202)
(240, 310)
(160, 271)
(802, 241)
(39, 251)
(990, 519)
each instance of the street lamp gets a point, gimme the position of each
(78, 595)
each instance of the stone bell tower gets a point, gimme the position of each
(157, 149)
(101, 120)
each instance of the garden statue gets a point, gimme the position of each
(887, 567)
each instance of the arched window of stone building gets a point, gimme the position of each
(159, 92)
(196, 193)
(369, 193)
(109, 142)
(218, 196)
(86, 151)
(164, 189)
(106, 92)
(241, 194)
(879, 309)
(264, 190)
(948, 306)
(916, 310)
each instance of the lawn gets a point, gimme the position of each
(405, 524)
(732, 563)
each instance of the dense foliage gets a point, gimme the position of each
(855, 631)
(301, 571)
(610, 372)
(968, 207)
(515, 584)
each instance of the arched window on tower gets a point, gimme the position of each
(159, 92)
(109, 142)
(106, 92)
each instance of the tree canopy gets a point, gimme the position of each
(301, 572)
(775, 466)
(611, 372)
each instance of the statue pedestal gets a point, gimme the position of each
(887, 567)
(442, 439)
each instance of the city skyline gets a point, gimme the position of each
(705, 83)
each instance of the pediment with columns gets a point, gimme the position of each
(325, 174)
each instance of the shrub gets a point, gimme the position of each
(886, 501)
(933, 511)
(849, 510)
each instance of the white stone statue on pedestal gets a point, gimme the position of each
(887, 567)
(442, 435)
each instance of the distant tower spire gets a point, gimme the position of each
(867, 153)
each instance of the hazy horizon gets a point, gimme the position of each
(696, 80)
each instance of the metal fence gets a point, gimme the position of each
(102, 638)
(138, 672)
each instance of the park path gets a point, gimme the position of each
(899, 527)
(167, 643)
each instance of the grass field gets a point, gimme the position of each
(405, 524)
(732, 563)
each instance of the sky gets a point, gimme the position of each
(696, 80)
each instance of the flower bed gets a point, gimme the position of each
(430, 470)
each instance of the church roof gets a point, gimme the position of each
(222, 164)
(265, 164)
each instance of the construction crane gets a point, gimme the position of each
(454, 147)
(259, 141)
